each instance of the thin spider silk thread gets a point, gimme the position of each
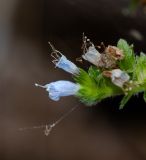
(49, 127)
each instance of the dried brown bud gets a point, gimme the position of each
(114, 52)
(107, 74)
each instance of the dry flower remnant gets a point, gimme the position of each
(107, 59)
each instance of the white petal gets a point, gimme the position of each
(119, 77)
(92, 55)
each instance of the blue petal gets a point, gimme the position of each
(61, 88)
(67, 65)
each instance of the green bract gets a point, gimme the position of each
(95, 87)
(128, 63)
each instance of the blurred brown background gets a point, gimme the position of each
(101, 132)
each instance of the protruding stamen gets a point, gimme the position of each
(84, 46)
(55, 61)
(79, 59)
(55, 53)
(38, 85)
(103, 45)
(53, 48)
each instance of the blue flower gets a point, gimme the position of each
(62, 62)
(60, 88)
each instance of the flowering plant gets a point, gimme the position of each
(115, 71)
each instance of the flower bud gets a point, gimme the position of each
(118, 77)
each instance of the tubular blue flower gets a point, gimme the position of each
(62, 62)
(92, 55)
(60, 89)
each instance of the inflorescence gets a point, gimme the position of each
(115, 71)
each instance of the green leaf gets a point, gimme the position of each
(128, 63)
(139, 73)
(125, 100)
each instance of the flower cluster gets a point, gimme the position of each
(114, 71)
